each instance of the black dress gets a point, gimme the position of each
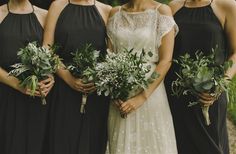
(22, 118)
(70, 131)
(201, 30)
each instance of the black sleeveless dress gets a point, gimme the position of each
(22, 118)
(70, 131)
(200, 29)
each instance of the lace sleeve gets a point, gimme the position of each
(164, 25)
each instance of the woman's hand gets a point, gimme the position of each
(28, 92)
(131, 104)
(46, 85)
(207, 99)
(80, 86)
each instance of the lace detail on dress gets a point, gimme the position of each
(142, 30)
(164, 26)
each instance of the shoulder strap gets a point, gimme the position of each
(94, 3)
(158, 6)
(8, 8)
(32, 7)
(185, 2)
(69, 1)
(120, 7)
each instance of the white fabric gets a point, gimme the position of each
(148, 130)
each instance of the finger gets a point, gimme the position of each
(120, 102)
(117, 104)
(128, 110)
(206, 103)
(42, 85)
(206, 98)
(78, 88)
(46, 81)
(49, 85)
(87, 85)
(45, 91)
(29, 92)
(124, 107)
(89, 89)
(207, 95)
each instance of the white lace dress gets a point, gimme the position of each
(148, 130)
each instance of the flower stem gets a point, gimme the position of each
(205, 112)
(43, 98)
(124, 116)
(84, 102)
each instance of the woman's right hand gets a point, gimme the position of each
(27, 91)
(78, 85)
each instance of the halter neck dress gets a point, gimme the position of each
(70, 131)
(199, 29)
(22, 118)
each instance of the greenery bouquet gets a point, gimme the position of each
(123, 75)
(83, 67)
(36, 64)
(201, 74)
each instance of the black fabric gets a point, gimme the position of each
(40, 3)
(71, 132)
(3, 2)
(199, 30)
(22, 118)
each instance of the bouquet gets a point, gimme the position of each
(83, 67)
(36, 64)
(201, 74)
(123, 75)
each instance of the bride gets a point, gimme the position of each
(148, 128)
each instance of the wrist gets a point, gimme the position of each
(65, 75)
(69, 79)
(143, 96)
(15, 84)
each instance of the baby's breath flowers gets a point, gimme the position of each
(123, 75)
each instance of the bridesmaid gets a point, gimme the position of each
(203, 24)
(22, 118)
(70, 25)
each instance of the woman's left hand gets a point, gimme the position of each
(207, 99)
(131, 104)
(46, 85)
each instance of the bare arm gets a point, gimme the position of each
(111, 14)
(41, 15)
(104, 10)
(230, 22)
